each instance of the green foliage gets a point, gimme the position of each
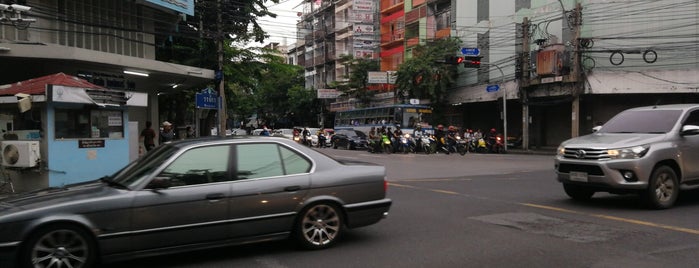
(358, 78)
(261, 84)
(424, 76)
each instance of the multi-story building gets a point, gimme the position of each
(566, 66)
(85, 132)
(330, 29)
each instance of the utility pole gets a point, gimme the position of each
(524, 83)
(222, 114)
(575, 72)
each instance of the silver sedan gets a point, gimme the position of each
(190, 195)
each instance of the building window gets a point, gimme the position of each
(88, 123)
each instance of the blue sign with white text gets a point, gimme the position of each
(492, 88)
(207, 100)
(470, 51)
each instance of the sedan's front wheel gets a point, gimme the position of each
(319, 226)
(59, 246)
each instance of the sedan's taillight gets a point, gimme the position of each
(385, 185)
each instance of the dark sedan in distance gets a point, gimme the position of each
(350, 139)
(194, 194)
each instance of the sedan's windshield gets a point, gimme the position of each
(646, 121)
(133, 172)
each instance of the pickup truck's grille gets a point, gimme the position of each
(585, 153)
(591, 170)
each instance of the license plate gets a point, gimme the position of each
(578, 176)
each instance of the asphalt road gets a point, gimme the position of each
(483, 211)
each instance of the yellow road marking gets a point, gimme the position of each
(600, 216)
(619, 219)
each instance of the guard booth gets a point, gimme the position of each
(60, 129)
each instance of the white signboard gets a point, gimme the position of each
(328, 93)
(363, 54)
(365, 44)
(363, 29)
(392, 75)
(361, 16)
(363, 5)
(377, 77)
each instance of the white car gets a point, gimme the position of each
(284, 132)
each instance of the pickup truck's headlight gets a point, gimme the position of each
(561, 150)
(628, 153)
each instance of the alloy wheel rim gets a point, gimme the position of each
(321, 225)
(664, 188)
(60, 248)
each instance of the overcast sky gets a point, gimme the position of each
(284, 26)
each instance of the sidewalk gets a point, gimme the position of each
(536, 151)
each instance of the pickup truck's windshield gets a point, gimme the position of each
(646, 121)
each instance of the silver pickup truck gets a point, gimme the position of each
(652, 151)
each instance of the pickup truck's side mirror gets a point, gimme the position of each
(595, 129)
(688, 130)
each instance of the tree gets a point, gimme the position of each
(425, 76)
(194, 41)
(263, 85)
(357, 85)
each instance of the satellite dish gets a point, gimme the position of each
(10, 154)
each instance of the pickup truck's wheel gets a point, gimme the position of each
(663, 188)
(319, 226)
(578, 192)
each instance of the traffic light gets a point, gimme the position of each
(453, 60)
(472, 61)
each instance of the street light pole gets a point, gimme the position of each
(504, 102)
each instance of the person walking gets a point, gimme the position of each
(148, 135)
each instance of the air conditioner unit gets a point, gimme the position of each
(20, 153)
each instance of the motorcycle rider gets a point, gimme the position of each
(374, 140)
(417, 134)
(451, 138)
(491, 138)
(306, 136)
(397, 134)
(321, 138)
(440, 136)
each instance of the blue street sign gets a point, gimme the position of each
(492, 88)
(470, 51)
(207, 101)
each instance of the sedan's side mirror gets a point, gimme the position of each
(159, 183)
(688, 130)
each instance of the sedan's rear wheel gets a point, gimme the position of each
(319, 226)
(59, 246)
(663, 188)
(578, 192)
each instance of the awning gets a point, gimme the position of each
(71, 89)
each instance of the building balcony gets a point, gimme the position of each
(390, 6)
(392, 39)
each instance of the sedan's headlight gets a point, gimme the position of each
(628, 153)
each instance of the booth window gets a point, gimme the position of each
(89, 123)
